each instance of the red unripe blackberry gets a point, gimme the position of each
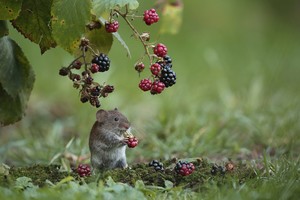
(155, 69)
(111, 27)
(83, 170)
(145, 84)
(157, 87)
(102, 61)
(94, 68)
(77, 64)
(184, 168)
(132, 142)
(150, 16)
(160, 50)
(139, 67)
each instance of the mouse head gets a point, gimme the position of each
(113, 120)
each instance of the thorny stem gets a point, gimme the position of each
(136, 33)
(84, 60)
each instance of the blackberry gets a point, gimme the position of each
(160, 50)
(83, 170)
(112, 27)
(157, 87)
(215, 169)
(155, 69)
(168, 76)
(168, 60)
(102, 61)
(150, 17)
(145, 84)
(132, 142)
(184, 168)
(158, 166)
(139, 67)
(94, 68)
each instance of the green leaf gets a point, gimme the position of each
(68, 22)
(16, 81)
(3, 28)
(100, 6)
(99, 39)
(10, 9)
(34, 23)
(119, 38)
(171, 19)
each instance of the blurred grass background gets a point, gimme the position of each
(237, 91)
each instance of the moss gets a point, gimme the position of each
(202, 174)
(38, 173)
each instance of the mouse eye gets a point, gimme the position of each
(116, 119)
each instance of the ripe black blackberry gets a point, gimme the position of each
(215, 169)
(168, 60)
(102, 61)
(158, 166)
(168, 76)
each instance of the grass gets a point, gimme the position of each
(236, 98)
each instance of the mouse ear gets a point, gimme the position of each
(100, 114)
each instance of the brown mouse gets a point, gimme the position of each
(107, 142)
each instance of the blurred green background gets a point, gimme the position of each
(236, 96)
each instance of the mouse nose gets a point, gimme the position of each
(126, 126)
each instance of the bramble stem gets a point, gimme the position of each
(136, 33)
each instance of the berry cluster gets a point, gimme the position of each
(215, 169)
(89, 89)
(161, 71)
(83, 170)
(132, 141)
(158, 166)
(184, 168)
(162, 75)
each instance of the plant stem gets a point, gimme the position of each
(136, 33)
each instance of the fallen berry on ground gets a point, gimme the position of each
(184, 168)
(158, 166)
(84, 170)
